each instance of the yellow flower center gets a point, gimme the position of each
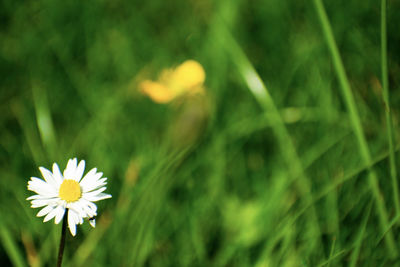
(70, 190)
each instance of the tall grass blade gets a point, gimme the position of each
(388, 112)
(356, 123)
(11, 247)
(259, 90)
(358, 243)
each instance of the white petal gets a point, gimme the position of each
(41, 187)
(57, 174)
(42, 191)
(45, 211)
(90, 213)
(71, 222)
(98, 197)
(77, 209)
(59, 215)
(94, 185)
(51, 215)
(102, 182)
(34, 197)
(79, 171)
(69, 171)
(48, 177)
(43, 202)
(88, 178)
(92, 222)
(89, 209)
(78, 219)
(39, 197)
(95, 192)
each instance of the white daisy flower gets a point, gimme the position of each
(68, 191)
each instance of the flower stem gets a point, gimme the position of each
(62, 240)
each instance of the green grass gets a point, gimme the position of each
(289, 160)
(357, 128)
(388, 112)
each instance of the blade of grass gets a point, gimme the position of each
(261, 94)
(394, 221)
(11, 247)
(43, 119)
(25, 121)
(329, 260)
(388, 113)
(322, 193)
(46, 250)
(332, 258)
(356, 123)
(360, 237)
(144, 211)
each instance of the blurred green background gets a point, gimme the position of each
(233, 178)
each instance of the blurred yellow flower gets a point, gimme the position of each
(187, 78)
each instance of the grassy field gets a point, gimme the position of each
(288, 157)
